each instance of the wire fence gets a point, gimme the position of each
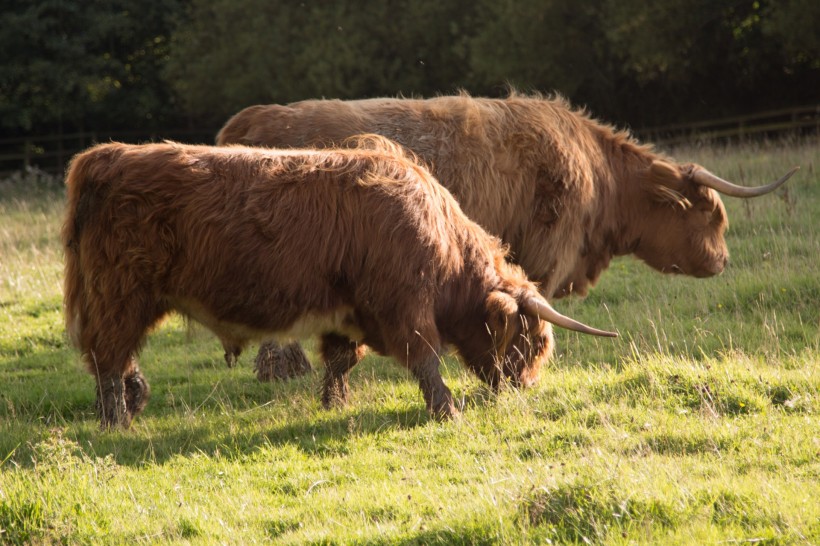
(51, 153)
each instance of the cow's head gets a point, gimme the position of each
(682, 230)
(517, 337)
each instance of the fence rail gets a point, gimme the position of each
(51, 152)
(770, 123)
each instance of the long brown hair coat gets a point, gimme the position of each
(359, 245)
(564, 191)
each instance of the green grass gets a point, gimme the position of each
(700, 425)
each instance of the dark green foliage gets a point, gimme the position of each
(679, 60)
(283, 51)
(712, 58)
(73, 65)
(70, 64)
(543, 45)
(793, 25)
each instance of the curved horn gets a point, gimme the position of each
(536, 306)
(705, 178)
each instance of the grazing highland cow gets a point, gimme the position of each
(358, 245)
(563, 191)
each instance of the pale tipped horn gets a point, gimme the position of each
(538, 307)
(705, 178)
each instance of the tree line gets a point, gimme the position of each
(74, 65)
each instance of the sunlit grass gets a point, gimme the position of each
(701, 424)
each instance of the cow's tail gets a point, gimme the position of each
(86, 188)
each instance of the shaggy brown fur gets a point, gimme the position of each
(360, 245)
(565, 192)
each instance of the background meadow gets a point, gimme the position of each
(700, 424)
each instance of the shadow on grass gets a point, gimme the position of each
(244, 418)
(471, 533)
(325, 436)
(204, 408)
(320, 433)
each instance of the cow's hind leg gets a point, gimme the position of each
(274, 361)
(340, 354)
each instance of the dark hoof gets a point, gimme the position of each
(120, 400)
(444, 410)
(276, 362)
(231, 358)
(111, 406)
(137, 393)
(335, 392)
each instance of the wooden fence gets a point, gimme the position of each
(773, 123)
(51, 153)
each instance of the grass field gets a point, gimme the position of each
(699, 425)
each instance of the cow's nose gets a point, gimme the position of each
(724, 262)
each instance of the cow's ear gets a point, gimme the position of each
(501, 310)
(667, 175)
(666, 182)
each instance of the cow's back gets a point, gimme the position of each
(501, 158)
(291, 234)
(469, 144)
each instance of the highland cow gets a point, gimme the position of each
(360, 246)
(565, 192)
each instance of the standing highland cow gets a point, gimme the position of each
(358, 245)
(563, 191)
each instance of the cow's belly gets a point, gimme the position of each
(340, 321)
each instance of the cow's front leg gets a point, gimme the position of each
(340, 354)
(137, 390)
(121, 395)
(438, 397)
(111, 406)
(232, 353)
